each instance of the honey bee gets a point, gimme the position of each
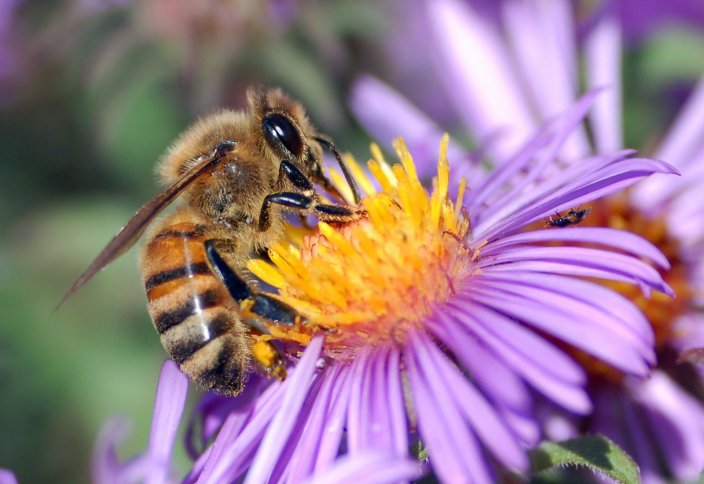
(573, 217)
(238, 173)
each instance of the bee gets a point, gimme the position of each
(238, 173)
(573, 217)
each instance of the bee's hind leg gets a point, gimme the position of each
(261, 306)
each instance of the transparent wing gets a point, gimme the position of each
(130, 233)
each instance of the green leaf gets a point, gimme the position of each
(594, 452)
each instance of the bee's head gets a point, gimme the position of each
(286, 131)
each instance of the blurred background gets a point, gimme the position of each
(92, 92)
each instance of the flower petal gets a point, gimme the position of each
(7, 477)
(602, 52)
(542, 34)
(454, 451)
(233, 449)
(301, 464)
(296, 389)
(369, 467)
(477, 412)
(568, 326)
(170, 400)
(626, 241)
(567, 394)
(386, 115)
(489, 98)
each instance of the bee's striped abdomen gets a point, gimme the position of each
(191, 309)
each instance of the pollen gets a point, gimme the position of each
(370, 281)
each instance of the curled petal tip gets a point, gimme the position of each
(667, 289)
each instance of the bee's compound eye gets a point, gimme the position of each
(279, 130)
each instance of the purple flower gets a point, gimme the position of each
(7, 477)
(532, 50)
(422, 332)
(155, 465)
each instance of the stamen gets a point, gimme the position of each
(370, 281)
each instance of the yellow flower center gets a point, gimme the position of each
(369, 282)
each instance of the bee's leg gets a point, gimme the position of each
(261, 306)
(300, 181)
(345, 171)
(289, 171)
(303, 203)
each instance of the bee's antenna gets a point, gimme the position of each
(348, 176)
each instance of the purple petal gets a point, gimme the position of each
(106, 466)
(519, 340)
(559, 321)
(357, 416)
(454, 452)
(615, 306)
(386, 115)
(619, 239)
(498, 382)
(395, 404)
(643, 18)
(213, 410)
(615, 417)
(567, 394)
(683, 147)
(532, 184)
(376, 417)
(489, 98)
(542, 34)
(171, 395)
(626, 266)
(537, 205)
(302, 464)
(477, 412)
(296, 389)
(584, 306)
(489, 371)
(544, 147)
(7, 477)
(569, 268)
(334, 421)
(544, 179)
(369, 467)
(233, 449)
(678, 421)
(686, 136)
(642, 447)
(289, 454)
(602, 51)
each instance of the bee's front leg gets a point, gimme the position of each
(256, 308)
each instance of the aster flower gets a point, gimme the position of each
(156, 465)
(670, 405)
(532, 51)
(433, 320)
(7, 477)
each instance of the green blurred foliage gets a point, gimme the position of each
(99, 97)
(99, 102)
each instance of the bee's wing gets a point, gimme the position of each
(130, 233)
